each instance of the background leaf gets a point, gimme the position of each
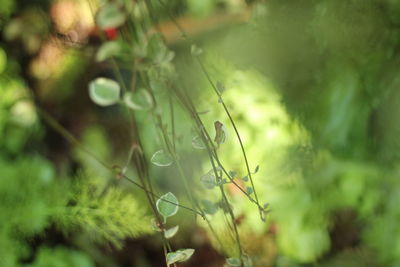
(110, 16)
(104, 92)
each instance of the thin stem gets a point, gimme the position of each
(68, 136)
(114, 169)
(226, 201)
(206, 139)
(261, 210)
(125, 168)
(169, 145)
(171, 111)
(201, 129)
(233, 125)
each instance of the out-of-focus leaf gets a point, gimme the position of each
(107, 50)
(140, 100)
(110, 16)
(104, 92)
(179, 255)
(161, 159)
(171, 232)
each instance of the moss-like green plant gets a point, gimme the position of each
(104, 214)
(29, 194)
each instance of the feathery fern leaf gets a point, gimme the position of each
(106, 216)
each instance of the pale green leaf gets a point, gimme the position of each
(161, 159)
(208, 180)
(140, 100)
(179, 255)
(110, 16)
(108, 50)
(171, 232)
(104, 92)
(198, 143)
(167, 205)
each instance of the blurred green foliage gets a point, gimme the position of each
(314, 88)
(36, 195)
(28, 196)
(61, 257)
(320, 114)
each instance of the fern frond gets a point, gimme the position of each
(108, 216)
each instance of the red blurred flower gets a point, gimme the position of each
(111, 33)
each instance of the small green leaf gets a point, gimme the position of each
(154, 225)
(110, 16)
(208, 180)
(171, 232)
(233, 262)
(209, 207)
(222, 182)
(195, 50)
(104, 92)
(245, 178)
(108, 50)
(197, 143)
(256, 169)
(140, 100)
(157, 50)
(179, 255)
(266, 205)
(167, 205)
(220, 87)
(161, 159)
(232, 174)
(249, 190)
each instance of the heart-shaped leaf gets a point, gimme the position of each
(140, 100)
(104, 92)
(179, 255)
(161, 159)
(208, 180)
(167, 205)
(209, 207)
(171, 232)
(198, 143)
